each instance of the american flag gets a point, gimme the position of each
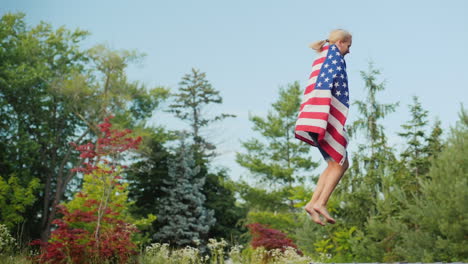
(325, 104)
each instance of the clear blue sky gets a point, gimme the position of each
(250, 48)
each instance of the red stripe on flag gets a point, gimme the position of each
(314, 73)
(319, 60)
(317, 101)
(337, 114)
(307, 128)
(336, 135)
(309, 88)
(314, 115)
(331, 151)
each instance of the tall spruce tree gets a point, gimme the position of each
(276, 158)
(364, 182)
(190, 104)
(184, 218)
(195, 94)
(414, 133)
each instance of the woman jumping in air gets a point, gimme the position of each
(323, 115)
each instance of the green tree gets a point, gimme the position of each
(37, 124)
(277, 158)
(220, 197)
(437, 219)
(185, 220)
(414, 132)
(146, 180)
(195, 94)
(104, 90)
(96, 225)
(53, 93)
(15, 199)
(372, 164)
(190, 105)
(434, 143)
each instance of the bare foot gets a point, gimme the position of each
(313, 215)
(323, 211)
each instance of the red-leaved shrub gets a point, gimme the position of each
(269, 238)
(94, 231)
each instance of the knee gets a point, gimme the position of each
(337, 167)
(345, 165)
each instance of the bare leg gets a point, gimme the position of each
(318, 190)
(335, 172)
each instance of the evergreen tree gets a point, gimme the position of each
(414, 132)
(277, 158)
(364, 182)
(436, 227)
(220, 197)
(434, 143)
(184, 218)
(195, 94)
(146, 180)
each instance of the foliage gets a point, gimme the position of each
(36, 123)
(54, 92)
(76, 239)
(185, 220)
(281, 159)
(269, 238)
(190, 103)
(95, 224)
(416, 154)
(371, 166)
(259, 198)
(220, 198)
(195, 94)
(7, 242)
(437, 219)
(15, 199)
(284, 221)
(145, 182)
(163, 254)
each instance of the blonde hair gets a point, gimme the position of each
(335, 36)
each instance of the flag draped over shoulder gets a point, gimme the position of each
(325, 104)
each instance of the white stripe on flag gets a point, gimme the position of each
(316, 108)
(312, 80)
(317, 67)
(316, 93)
(304, 134)
(312, 122)
(324, 53)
